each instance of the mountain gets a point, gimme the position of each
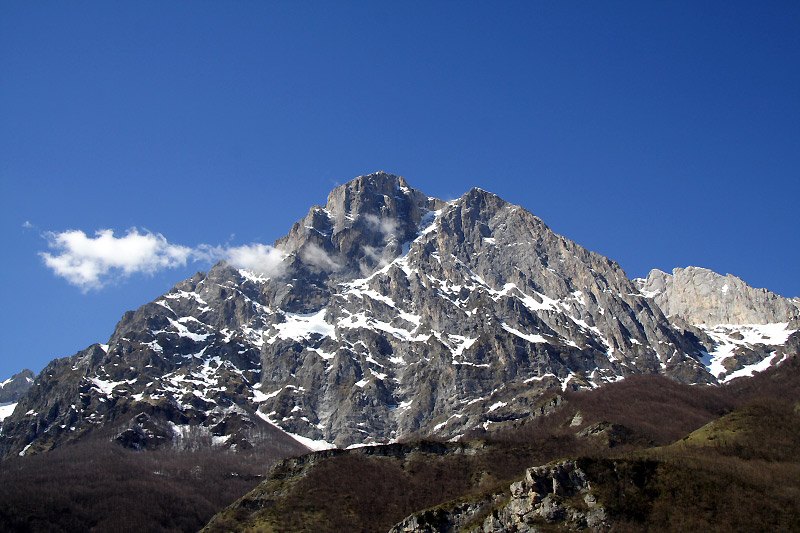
(390, 316)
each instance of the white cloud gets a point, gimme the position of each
(91, 262)
(260, 258)
(314, 255)
(376, 255)
(387, 226)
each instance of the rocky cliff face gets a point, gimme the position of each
(742, 328)
(392, 315)
(701, 296)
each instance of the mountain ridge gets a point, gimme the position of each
(391, 315)
(701, 296)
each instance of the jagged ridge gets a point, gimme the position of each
(392, 315)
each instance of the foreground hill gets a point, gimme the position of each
(645, 454)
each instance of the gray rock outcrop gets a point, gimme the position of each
(701, 296)
(556, 495)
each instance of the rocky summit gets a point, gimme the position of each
(12, 389)
(392, 315)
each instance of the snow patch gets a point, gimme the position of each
(404, 405)
(530, 338)
(302, 326)
(463, 345)
(729, 337)
(314, 445)
(219, 441)
(183, 331)
(255, 277)
(540, 378)
(427, 223)
(107, 387)
(496, 406)
(325, 355)
(6, 409)
(749, 370)
(361, 320)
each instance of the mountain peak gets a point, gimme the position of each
(481, 200)
(476, 193)
(13, 388)
(375, 183)
(376, 194)
(364, 225)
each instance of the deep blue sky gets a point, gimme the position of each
(660, 134)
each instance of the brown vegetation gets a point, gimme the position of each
(647, 485)
(96, 485)
(740, 472)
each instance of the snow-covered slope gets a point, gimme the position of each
(743, 349)
(6, 409)
(743, 328)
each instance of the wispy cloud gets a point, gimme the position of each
(387, 226)
(260, 258)
(312, 254)
(92, 262)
